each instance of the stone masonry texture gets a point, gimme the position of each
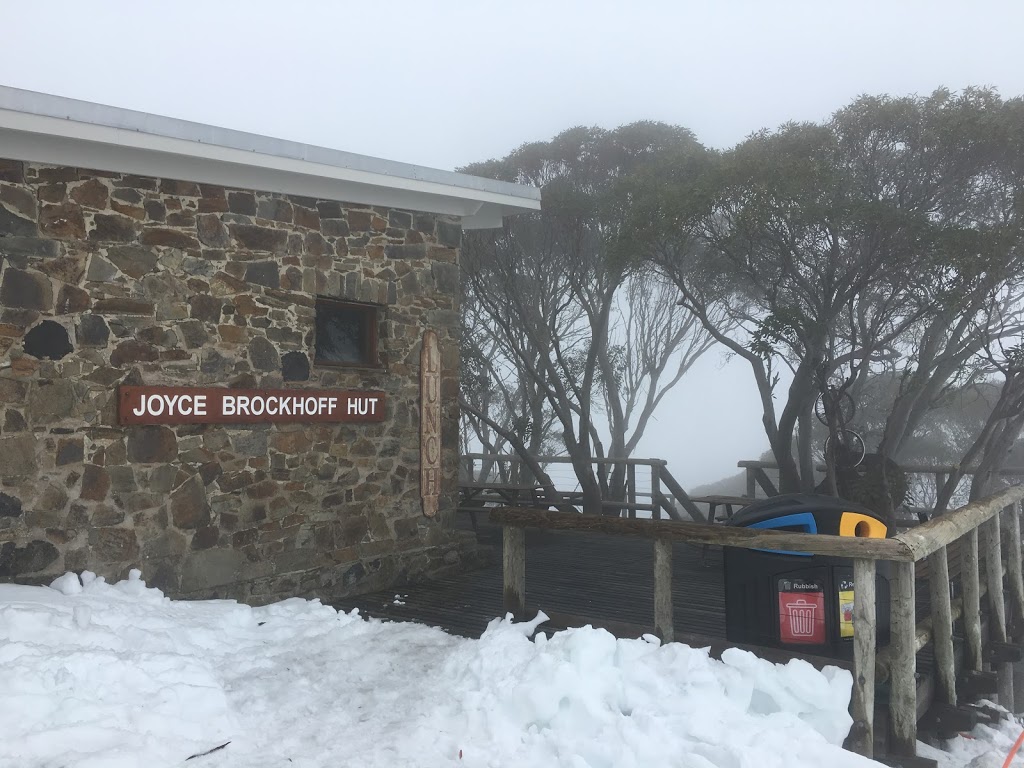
(109, 278)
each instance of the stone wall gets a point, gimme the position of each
(126, 279)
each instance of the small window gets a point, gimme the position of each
(346, 333)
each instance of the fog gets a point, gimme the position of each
(445, 84)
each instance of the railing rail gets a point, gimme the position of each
(512, 458)
(928, 543)
(660, 478)
(698, 533)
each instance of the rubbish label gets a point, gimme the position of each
(802, 617)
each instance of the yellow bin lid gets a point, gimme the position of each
(862, 526)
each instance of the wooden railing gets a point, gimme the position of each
(896, 663)
(661, 480)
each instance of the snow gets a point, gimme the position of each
(985, 747)
(117, 675)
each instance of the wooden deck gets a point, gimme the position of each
(605, 578)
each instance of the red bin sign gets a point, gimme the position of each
(802, 617)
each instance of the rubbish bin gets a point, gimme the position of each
(783, 599)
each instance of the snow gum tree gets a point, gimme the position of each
(886, 239)
(586, 335)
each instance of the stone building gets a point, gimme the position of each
(138, 250)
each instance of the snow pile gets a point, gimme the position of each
(985, 747)
(93, 674)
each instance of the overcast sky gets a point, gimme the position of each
(447, 83)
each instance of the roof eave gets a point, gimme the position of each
(49, 139)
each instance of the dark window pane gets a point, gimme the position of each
(343, 334)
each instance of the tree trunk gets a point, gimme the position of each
(801, 394)
(806, 448)
(592, 497)
(789, 473)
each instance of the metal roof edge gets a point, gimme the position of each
(88, 113)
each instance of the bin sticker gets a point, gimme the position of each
(801, 613)
(846, 613)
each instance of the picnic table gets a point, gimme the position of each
(475, 493)
(729, 503)
(475, 496)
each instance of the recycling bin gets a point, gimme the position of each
(784, 599)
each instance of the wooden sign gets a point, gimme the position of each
(221, 405)
(430, 423)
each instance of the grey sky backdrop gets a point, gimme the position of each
(447, 83)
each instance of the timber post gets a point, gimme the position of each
(1014, 560)
(1015, 573)
(970, 577)
(656, 490)
(631, 489)
(514, 569)
(993, 573)
(903, 669)
(990, 543)
(663, 590)
(862, 704)
(942, 625)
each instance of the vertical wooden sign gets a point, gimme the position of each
(430, 423)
